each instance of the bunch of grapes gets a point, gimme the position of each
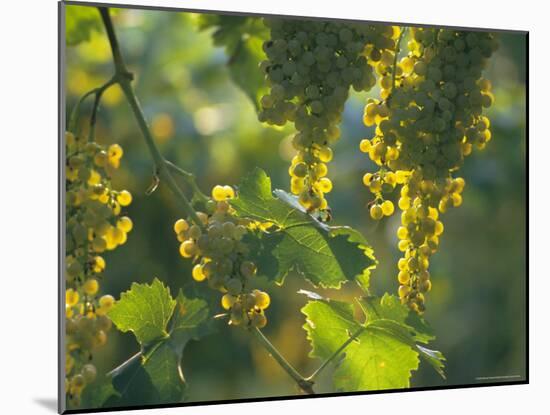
(429, 118)
(219, 252)
(310, 68)
(94, 225)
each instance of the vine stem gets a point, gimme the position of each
(190, 180)
(74, 113)
(98, 94)
(305, 384)
(124, 79)
(338, 351)
(76, 110)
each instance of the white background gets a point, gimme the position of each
(28, 238)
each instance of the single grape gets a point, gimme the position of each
(234, 286)
(124, 198)
(188, 249)
(262, 299)
(247, 269)
(181, 225)
(218, 193)
(257, 319)
(91, 286)
(115, 151)
(198, 274)
(71, 297)
(89, 373)
(387, 208)
(228, 301)
(376, 212)
(106, 302)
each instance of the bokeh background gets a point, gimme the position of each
(204, 123)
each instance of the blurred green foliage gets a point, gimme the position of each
(204, 123)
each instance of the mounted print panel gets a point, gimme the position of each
(276, 207)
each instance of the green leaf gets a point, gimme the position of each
(390, 307)
(435, 358)
(98, 393)
(144, 310)
(163, 327)
(388, 313)
(324, 255)
(328, 325)
(242, 38)
(188, 322)
(356, 237)
(383, 352)
(80, 22)
(134, 385)
(378, 361)
(164, 371)
(244, 70)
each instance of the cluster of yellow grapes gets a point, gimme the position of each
(310, 69)
(94, 225)
(308, 179)
(218, 249)
(429, 118)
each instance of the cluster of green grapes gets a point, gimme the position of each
(218, 249)
(94, 225)
(310, 68)
(429, 118)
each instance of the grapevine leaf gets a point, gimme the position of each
(151, 376)
(327, 256)
(242, 38)
(243, 66)
(144, 310)
(328, 325)
(390, 307)
(376, 359)
(164, 370)
(80, 22)
(154, 374)
(356, 237)
(353, 236)
(188, 322)
(388, 313)
(384, 362)
(98, 394)
(435, 358)
(383, 352)
(189, 314)
(131, 382)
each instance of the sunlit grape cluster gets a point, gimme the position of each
(310, 68)
(95, 224)
(429, 118)
(220, 255)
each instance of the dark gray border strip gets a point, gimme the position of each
(61, 404)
